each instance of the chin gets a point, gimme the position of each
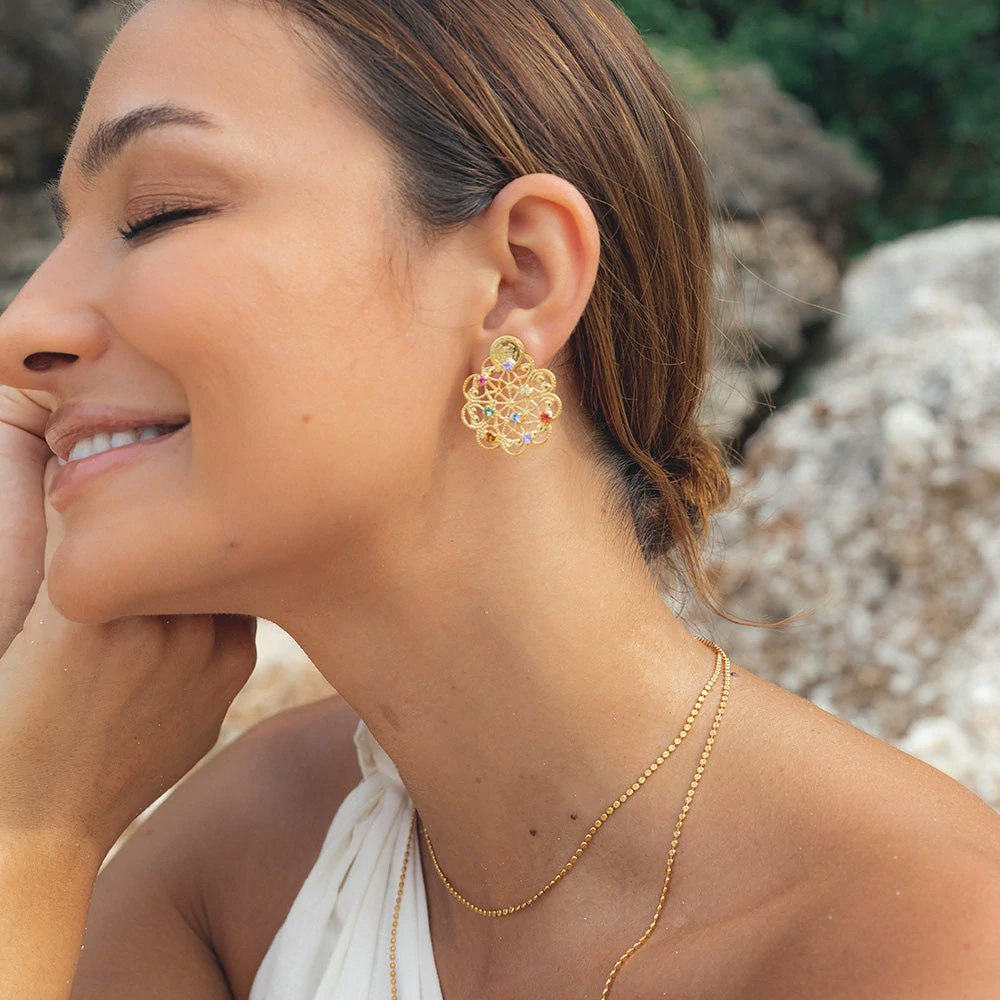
(78, 603)
(86, 605)
(95, 587)
(94, 597)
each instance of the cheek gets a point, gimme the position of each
(315, 404)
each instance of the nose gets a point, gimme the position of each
(50, 325)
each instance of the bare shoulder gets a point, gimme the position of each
(261, 808)
(923, 927)
(892, 868)
(911, 924)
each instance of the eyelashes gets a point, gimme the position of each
(160, 218)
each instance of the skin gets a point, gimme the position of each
(489, 617)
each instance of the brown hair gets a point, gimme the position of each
(471, 94)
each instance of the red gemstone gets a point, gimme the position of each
(547, 417)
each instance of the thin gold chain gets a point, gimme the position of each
(721, 662)
(395, 912)
(505, 911)
(699, 771)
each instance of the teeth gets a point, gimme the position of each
(86, 447)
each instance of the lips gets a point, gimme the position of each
(75, 421)
(68, 480)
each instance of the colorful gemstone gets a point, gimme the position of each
(526, 438)
(489, 411)
(547, 417)
(515, 418)
(508, 365)
(490, 438)
(482, 380)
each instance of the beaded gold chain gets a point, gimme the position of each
(699, 771)
(721, 664)
(598, 823)
(395, 912)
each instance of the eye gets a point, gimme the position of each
(159, 218)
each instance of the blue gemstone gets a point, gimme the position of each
(526, 438)
(515, 418)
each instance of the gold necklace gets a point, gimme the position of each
(721, 663)
(598, 823)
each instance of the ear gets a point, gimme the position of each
(542, 238)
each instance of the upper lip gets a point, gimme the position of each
(75, 421)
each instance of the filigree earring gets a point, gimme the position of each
(511, 404)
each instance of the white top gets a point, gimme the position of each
(334, 943)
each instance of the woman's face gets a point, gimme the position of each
(313, 349)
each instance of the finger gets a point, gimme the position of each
(55, 529)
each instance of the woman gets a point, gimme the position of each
(324, 250)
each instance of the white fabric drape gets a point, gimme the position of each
(334, 943)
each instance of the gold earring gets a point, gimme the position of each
(511, 404)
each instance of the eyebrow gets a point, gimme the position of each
(110, 138)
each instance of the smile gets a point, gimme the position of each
(100, 443)
(75, 474)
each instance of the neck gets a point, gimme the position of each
(520, 684)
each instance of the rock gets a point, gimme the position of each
(766, 151)
(781, 280)
(29, 233)
(784, 191)
(48, 52)
(873, 504)
(961, 261)
(776, 287)
(952, 751)
(15, 80)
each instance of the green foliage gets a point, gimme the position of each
(914, 83)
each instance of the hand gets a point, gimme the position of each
(100, 720)
(25, 464)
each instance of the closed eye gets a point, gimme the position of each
(133, 229)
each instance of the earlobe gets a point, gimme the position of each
(548, 250)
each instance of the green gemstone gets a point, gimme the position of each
(489, 411)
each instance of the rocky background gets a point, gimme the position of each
(860, 402)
